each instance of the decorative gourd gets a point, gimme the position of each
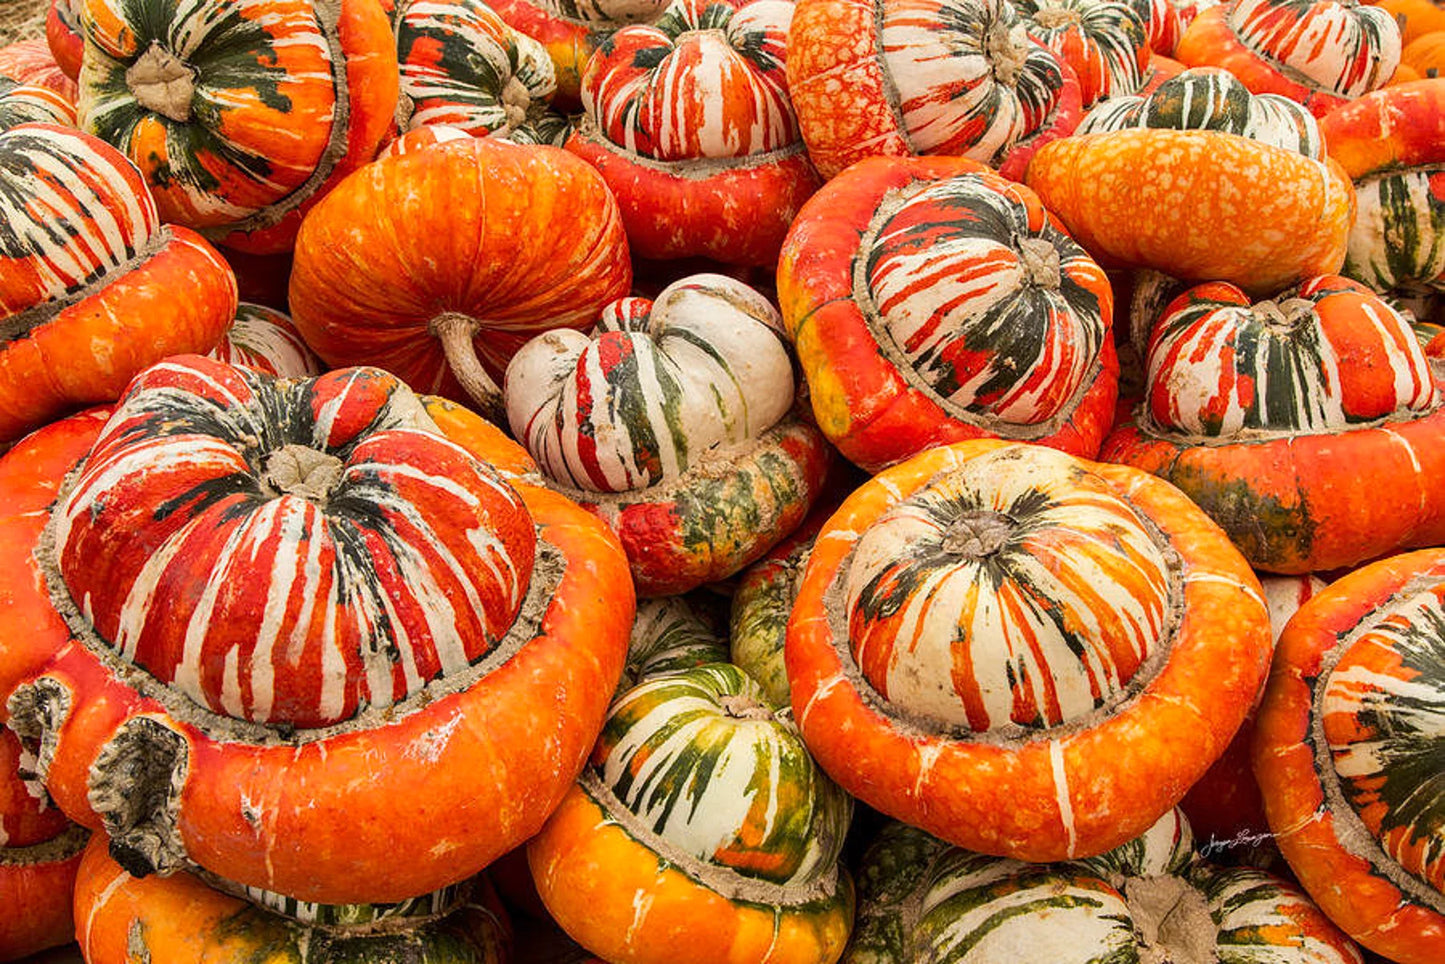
(32, 104)
(906, 77)
(1320, 53)
(672, 633)
(932, 300)
(1207, 98)
(463, 66)
(1347, 753)
(1022, 652)
(1150, 899)
(294, 602)
(487, 243)
(1265, 413)
(265, 339)
(179, 919)
(1415, 17)
(1152, 199)
(1392, 144)
(571, 30)
(672, 423)
(239, 117)
(64, 37)
(93, 287)
(700, 831)
(689, 121)
(30, 62)
(1105, 42)
(39, 853)
(1160, 69)
(1426, 56)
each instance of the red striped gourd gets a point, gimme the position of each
(293, 602)
(1105, 42)
(180, 919)
(1150, 899)
(672, 421)
(93, 287)
(906, 77)
(39, 854)
(1147, 198)
(463, 66)
(64, 36)
(488, 244)
(1022, 652)
(32, 104)
(1392, 144)
(700, 830)
(1347, 752)
(1318, 52)
(30, 62)
(690, 122)
(932, 300)
(1264, 413)
(265, 339)
(240, 116)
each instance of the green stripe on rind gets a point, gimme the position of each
(699, 761)
(671, 633)
(760, 610)
(1398, 236)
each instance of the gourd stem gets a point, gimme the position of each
(162, 82)
(456, 332)
(1007, 49)
(741, 707)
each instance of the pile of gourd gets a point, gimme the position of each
(753, 481)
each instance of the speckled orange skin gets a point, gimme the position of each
(1304, 504)
(861, 401)
(593, 877)
(1208, 41)
(1198, 205)
(182, 299)
(37, 902)
(30, 474)
(1396, 127)
(1001, 798)
(1363, 903)
(180, 920)
(368, 816)
(735, 211)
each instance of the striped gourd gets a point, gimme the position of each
(64, 35)
(983, 300)
(239, 114)
(1319, 358)
(1345, 48)
(30, 62)
(706, 80)
(1347, 751)
(72, 211)
(1018, 592)
(658, 386)
(701, 830)
(1104, 41)
(998, 643)
(463, 66)
(697, 759)
(1392, 143)
(1149, 899)
(672, 633)
(32, 104)
(264, 339)
(292, 551)
(1207, 98)
(969, 82)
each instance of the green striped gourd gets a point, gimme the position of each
(672, 633)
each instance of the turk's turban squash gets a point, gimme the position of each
(93, 287)
(931, 300)
(354, 661)
(1022, 652)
